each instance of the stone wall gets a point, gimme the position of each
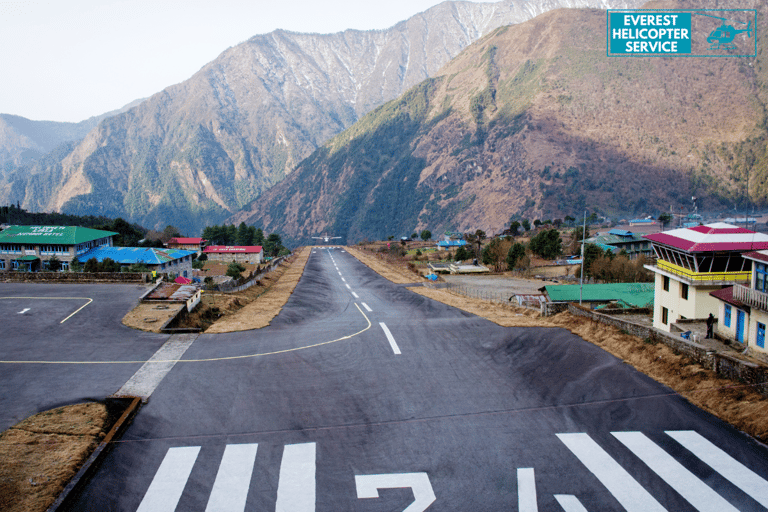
(724, 365)
(75, 277)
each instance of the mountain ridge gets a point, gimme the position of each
(200, 150)
(532, 120)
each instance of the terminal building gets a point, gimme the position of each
(693, 262)
(31, 248)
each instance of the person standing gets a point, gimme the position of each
(710, 326)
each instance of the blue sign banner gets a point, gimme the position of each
(649, 33)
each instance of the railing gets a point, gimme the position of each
(751, 297)
(702, 277)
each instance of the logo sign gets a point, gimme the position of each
(681, 33)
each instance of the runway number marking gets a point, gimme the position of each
(391, 338)
(296, 487)
(368, 487)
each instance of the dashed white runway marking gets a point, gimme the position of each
(355, 295)
(391, 338)
(366, 307)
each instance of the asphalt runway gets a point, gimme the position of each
(32, 330)
(363, 396)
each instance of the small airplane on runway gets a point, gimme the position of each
(325, 238)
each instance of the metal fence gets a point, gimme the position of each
(479, 293)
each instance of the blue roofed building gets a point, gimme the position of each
(448, 244)
(617, 240)
(161, 260)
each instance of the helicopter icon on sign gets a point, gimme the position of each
(722, 37)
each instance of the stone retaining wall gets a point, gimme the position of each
(75, 277)
(724, 365)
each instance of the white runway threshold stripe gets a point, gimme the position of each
(165, 490)
(696, 492)
(296, 487)
(526, 490)
(731, 469)
(391, 338)
(230, 490)
(615, 478)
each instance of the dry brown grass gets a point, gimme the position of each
(42, 453)
(151, 316)
(398, 274)
(732, 402)
(260, 311)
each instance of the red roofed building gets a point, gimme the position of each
(240, 253)
(754, 295)
(189, 244)
(692, 262)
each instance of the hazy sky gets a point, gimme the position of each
(67, 60)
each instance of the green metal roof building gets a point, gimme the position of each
(32, 247)
(633, 295)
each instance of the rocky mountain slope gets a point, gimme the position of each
(535, 120)
(199, 151)
(23, 140)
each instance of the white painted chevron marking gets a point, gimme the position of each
(230, 489)
(731, 469)
(165, 490)
(696, 492)
(624, 488)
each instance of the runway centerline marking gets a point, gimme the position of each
(55, 298)
(212, 359)
(366, 307)
(391, 338)
(355, 295)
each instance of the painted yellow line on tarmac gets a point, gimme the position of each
(228, 358)
(58, 298)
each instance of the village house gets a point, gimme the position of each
(187, 244)
(754, 295)
(32, 247)
(239, 253)
(692, 263)
(617, 240)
